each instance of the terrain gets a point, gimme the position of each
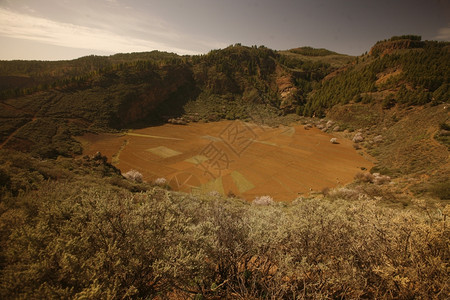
(242, 173)
(274, 161)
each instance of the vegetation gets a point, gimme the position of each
(309, 51)
(75, 227)
(73, 236)
(423, 77)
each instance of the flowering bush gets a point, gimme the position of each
(161, 181)
(358, 138)
(133, 175)
(263, 200)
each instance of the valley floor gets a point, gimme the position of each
(233, 158)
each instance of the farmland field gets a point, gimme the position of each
(235, 157)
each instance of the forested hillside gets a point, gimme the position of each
(398, 71)
(45, 103)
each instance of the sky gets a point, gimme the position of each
(68, 29)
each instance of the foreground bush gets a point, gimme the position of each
(75, 241)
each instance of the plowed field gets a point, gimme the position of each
(233, 157)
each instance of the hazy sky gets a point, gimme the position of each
(66, 29)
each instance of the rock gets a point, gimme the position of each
(336, 128)
(334, 141)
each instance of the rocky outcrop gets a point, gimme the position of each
(286, 90)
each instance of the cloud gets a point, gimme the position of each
(443, 34)
(27, 27)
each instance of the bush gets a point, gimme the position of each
(263, 200)
(160, 181)
(133, 175)
(381, 179)
(364, 177)
(87, 239)
(358, 138)
(441, 190)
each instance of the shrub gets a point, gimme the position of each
(344, 193)
(356, 146)
(214, 194)
(444, 126)
(358, 138)
(378, 139)
(441, 190)
(364, 177)
(133, 175)
(84, 238)
(380, 179)
(263, 200)
(160, 181)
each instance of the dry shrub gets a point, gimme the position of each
(356, 147)
(161, 181)
(361, 250)
(263, 200)
(378, 139)
(214, 194)
(158, 243)
(344, 193)
(358, 138)
(364, 177)
(325, 191)
(380, 179)
(133, 175)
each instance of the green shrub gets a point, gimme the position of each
(90, 239)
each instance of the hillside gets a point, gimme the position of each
(398, 94)
(72, 225)
(61, 99)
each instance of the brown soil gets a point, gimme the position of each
(233, 156)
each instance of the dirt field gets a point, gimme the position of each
(233, 157)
